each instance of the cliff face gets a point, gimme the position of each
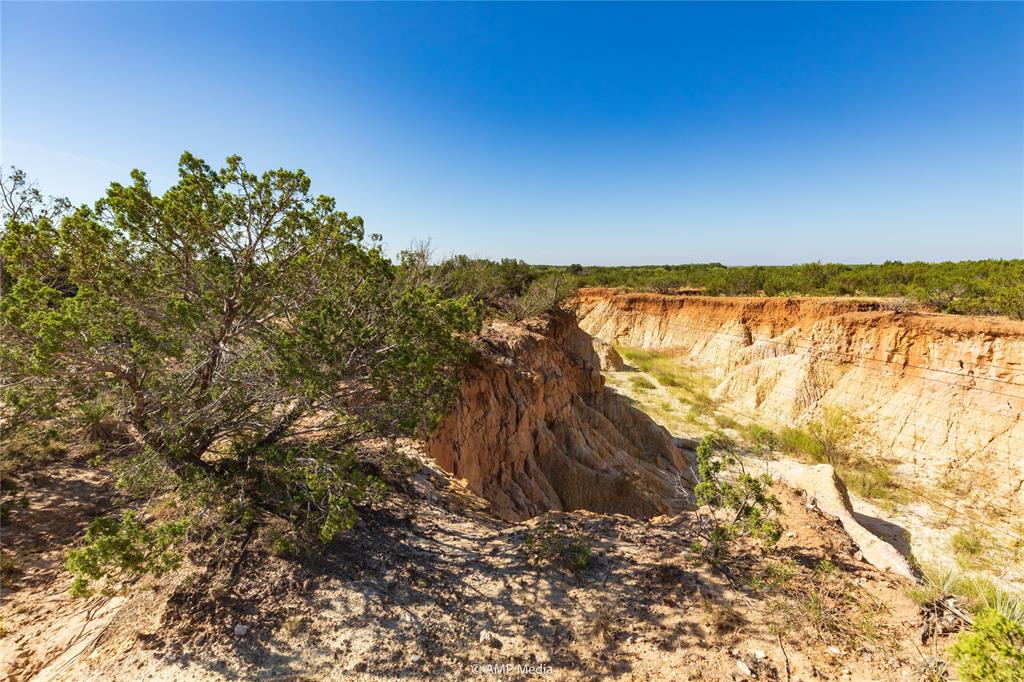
(943, 395)
(535, 430)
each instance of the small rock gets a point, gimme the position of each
(241, 629)
(758, 654)
(415, 658)
(834, 650)
(743, 667)
(490, 639)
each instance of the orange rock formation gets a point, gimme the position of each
(535, 430)
(942, 395)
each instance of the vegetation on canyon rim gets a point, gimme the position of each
(987, 287)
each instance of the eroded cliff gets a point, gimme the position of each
(942, 395)
(535, 430)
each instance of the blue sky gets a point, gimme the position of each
(556, 133)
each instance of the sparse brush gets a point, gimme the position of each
(642, 383)
(550, 543)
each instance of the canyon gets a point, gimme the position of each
(555, 438)
(938, 399)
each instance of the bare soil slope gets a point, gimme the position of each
(432, 585)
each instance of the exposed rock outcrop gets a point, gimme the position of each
(823, 486)
(943, 394)
(535, 430)
(609, 358)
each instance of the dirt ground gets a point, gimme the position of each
(430, 586)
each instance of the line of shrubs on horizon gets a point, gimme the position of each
(983, 287)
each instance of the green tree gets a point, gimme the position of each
(232, 315)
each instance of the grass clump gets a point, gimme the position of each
(553, 544)
(642, 383)
(974, 592)
(970, 547)
(724, 421)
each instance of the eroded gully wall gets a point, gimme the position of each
(941, 394)
(535, 429)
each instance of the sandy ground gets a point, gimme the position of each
(430, 586)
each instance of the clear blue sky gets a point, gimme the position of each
(598, 134)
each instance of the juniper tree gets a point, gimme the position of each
(231, 319)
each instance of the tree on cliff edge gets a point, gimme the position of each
(223, 327)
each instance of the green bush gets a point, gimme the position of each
(796, 441)
(991, 651)
(123, 549)
(225, 327)
(731, 503)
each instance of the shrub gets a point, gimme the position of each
(991, 651)
(124, 549)
(737, 503)
(232, 322)
(550, 543)
(762, 439)
(796, 441)
(833, 433)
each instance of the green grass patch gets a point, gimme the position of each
(642, 383)
(873, 481)
(972, 547)
(800, 443)
(724, 421)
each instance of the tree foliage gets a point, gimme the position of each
(986, 287)
(224, 324)
(731, 503)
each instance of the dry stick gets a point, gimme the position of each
(785, 657)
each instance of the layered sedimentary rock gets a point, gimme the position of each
(535, 429)
(942, 395)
